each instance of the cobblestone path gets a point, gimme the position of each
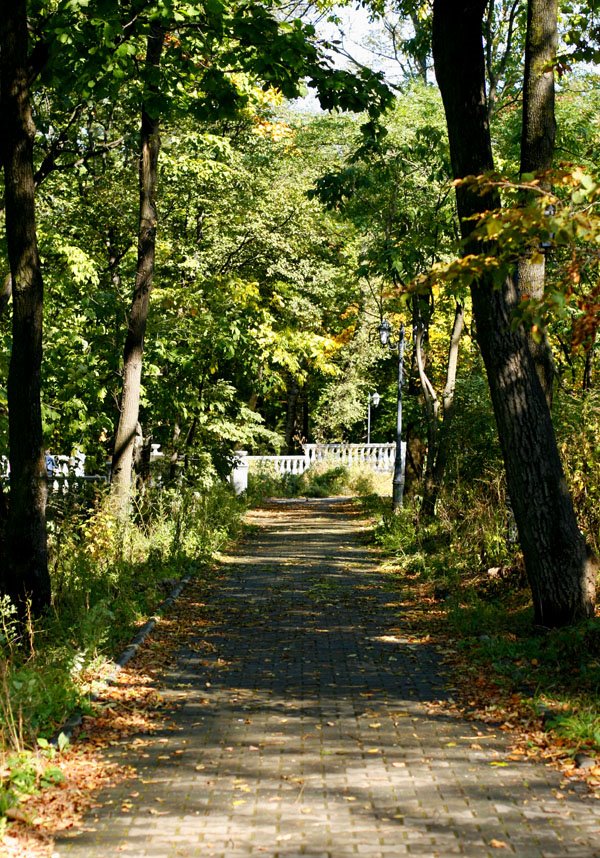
(304, 728)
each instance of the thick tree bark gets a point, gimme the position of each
(560, 574)
(537, 151)
(24, 575)
(138, 316)
(539, 125)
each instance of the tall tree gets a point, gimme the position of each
(439, 410)
(24, 575)
(138, 315)
(537, 151)
(560, 573)
(245, 37)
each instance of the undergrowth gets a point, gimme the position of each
(469, 568)
(322, 480)
(108, 576)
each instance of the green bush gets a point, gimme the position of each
(108, 575)
(324, 479)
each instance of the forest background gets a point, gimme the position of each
(198, 226)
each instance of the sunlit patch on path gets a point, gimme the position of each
(303, 727)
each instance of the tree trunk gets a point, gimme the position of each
(305, 415)
(588, 369)
(432, 407)
(560, 574)
(138, 316)
(537, 151)
(434, 474)
(293, 394)
(25, 574)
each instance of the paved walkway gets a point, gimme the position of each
(305, 729)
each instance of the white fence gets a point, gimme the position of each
(62, 470)
(377, 457)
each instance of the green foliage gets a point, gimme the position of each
(399, 191)
(108, 577)
(474, 573)
(324, 479)
(23, 774)
(578, 431)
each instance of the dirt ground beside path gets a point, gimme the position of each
(304, 720)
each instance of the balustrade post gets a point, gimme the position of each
(239, 475)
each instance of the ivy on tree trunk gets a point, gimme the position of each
(560, 573)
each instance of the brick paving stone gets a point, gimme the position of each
(305, 733)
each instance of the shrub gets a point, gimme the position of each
(108, 575)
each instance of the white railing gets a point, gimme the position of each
(280, 464)
(63, 472)
(377, 457)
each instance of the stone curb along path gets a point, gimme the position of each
(304, 727)
(76, 720)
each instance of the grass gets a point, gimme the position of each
(108, 576)
(469, 578)
(325, 479)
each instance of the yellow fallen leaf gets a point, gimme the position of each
(498, 844)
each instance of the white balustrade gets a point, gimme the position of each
(280, 464)
(63, 470)
(377, 457)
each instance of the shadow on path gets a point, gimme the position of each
(304, 730)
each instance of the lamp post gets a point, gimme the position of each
(373, 398)
(385, 334)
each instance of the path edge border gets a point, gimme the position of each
(74, 721)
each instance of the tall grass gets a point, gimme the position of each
(108, 575)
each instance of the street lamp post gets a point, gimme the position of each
(385, 333)
(373, 398)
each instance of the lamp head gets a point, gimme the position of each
(385, 329)
(375, 399)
